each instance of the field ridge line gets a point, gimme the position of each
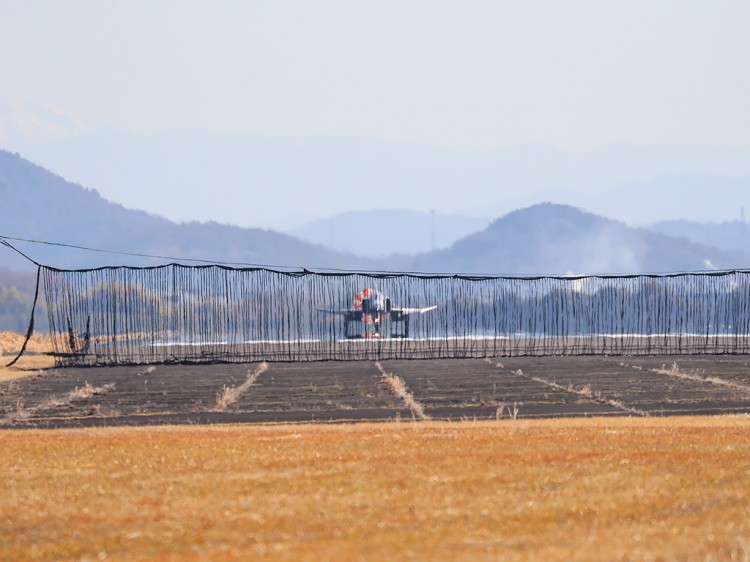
(86, 391)
(399, 388)
(230, 394)
(583, 392)
(675, 372)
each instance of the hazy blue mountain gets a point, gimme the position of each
(730, 236)
(37, 204)
(282, 182)
(559, 239)
(16, 300)
(384, 232)
(546, 238)
(23, 280)
(693, 196)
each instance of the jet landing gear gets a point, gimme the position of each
(403, 322)
(381, 327)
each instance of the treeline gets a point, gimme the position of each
(15, 310)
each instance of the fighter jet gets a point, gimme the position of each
(370, 310)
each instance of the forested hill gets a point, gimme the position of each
(37, 204)
(541, 239)
(559, 239)
(16, 300)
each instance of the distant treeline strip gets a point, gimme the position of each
(214, 313)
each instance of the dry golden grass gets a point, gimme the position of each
(86, 391)
(601, 489)
(28, 364)
(675, 372)
(398, 387)
(230, 394)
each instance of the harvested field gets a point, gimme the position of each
(33, 359)
(11, 342)
(466, 389)
(630, 484)
(596, 489)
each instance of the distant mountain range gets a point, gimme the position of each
(384, 232)
(282, 182)
(543, 238)
(730, 235)
(554, 239)
(37, 204)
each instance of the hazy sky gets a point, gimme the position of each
(461, 75)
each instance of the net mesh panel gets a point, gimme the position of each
(177, 313)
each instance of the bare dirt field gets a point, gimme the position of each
(466, 389)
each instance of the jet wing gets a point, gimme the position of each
(348, 314)
(334, 311)
(406, 311)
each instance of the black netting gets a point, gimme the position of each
(177, 313)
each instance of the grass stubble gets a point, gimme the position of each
(230, 394)
(397, 386)
(584, 489)
(28, 365)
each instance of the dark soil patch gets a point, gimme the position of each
(525, 387)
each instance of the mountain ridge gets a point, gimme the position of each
(553, 239)
(75, 215)
(728, 235)
(386, 232)
(545, 238)
(301, 178)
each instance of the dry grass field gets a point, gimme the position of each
(608, 488)
(585, 489)
(28, 364)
